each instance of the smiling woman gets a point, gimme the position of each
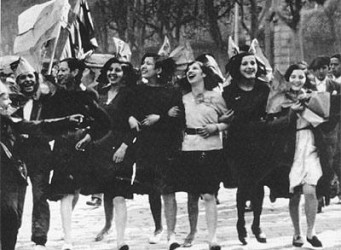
(247, 96)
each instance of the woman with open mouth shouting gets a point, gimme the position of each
(201, 155)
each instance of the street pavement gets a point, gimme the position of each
(275, 222)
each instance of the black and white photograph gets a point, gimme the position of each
(170, 124)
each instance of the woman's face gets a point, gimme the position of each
(248, 67)
(4, 103)
(194, 73)
(297, 79)
(148, 68)
(115, 73)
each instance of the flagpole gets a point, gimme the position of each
(54, 50)
(236, 15)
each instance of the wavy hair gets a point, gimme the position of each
(210, 80)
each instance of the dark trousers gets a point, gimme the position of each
(12, 204)
(41, 209)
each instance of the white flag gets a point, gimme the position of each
(165, 48)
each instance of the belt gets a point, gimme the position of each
(192, 131)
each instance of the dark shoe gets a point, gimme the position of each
(96, 202)
(297, 241)
(124, 247)
(315, 242)
(215, 247)
(174, 245)
(260, 236)
(242, 235)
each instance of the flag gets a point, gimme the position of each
(183, 54)
(277, 99)
(165, 48)
(81, 41)
(37, 25)
(122, 50)
(233, 49)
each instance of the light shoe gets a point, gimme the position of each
(156, 237)
(67, 246)
(39, 247)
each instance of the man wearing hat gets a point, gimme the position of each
(35, 151)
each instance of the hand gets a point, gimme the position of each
(298, 106)
(227, 117)
(76, 118)
(150, 120)
(133, 123)
(174, 111)
(120, 153)
(304, 97)
(207, 130)
(83, 143)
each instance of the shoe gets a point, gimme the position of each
(214, 247)
(297, 241)
(242, 235)
(124, 247)
(95, 202)
(315, 242)
(172, 243)
(188, 240)
(67, 246)
(39, 247)
(260, 236)
(156, 237)
(100, 236)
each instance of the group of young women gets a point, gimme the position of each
(168, 136)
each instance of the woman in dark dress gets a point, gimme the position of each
(247, 96)
(113, 154)
(159, 133)
(69, 156)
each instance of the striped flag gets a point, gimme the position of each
(81, 41)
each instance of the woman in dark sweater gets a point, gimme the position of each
(247, 96)
(159, 133)
(112, 154)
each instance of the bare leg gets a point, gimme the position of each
(170, 213)
(294, 209)
(108, 210)
(66, 215)
(211, 217)
(155, 207)
(310, 208)
(120, 219)
(193, 213)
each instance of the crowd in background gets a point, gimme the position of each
(144, 131)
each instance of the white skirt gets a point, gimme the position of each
(306, 168)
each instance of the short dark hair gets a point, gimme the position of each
(319, 62)
(74, 64)
(233, 66)
(166, 64)
(210, 81)
(337, 56)
(288, 72)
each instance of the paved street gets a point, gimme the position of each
(276, 223)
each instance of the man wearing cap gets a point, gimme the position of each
(35, 151)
